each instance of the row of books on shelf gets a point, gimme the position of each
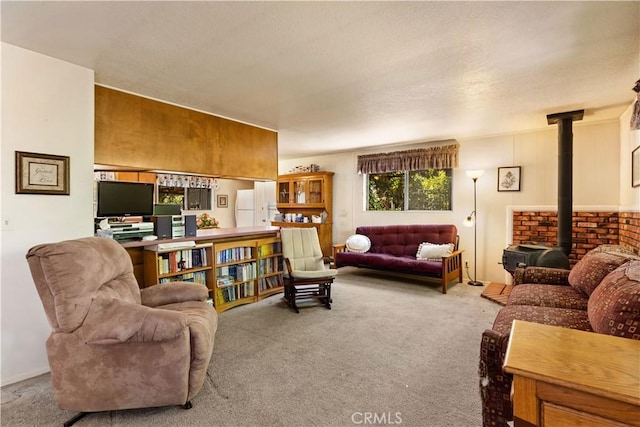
(234, 254)
(269, 265)
(186, 259)
(237, 272)
(195, 277)
(269, 283)
(270, 249)
(232, 293)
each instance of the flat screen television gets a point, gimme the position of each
(117, 199)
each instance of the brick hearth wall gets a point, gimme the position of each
(589, 230)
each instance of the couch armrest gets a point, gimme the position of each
(116, 321)
(541, 276)
(452, 255)
(495, 385)
(334, 251)
(452, 262)
(169, 293)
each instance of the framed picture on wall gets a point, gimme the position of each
(223, 201)
(41, 174)
(635, 167)
(509, 178)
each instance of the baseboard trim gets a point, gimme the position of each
(24, 376)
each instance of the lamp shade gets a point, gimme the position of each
(475, 174)
(468, 221)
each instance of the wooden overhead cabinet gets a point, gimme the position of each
(132, 132)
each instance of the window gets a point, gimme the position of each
(188, 198)
(421, 190)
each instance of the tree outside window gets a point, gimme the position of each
(426, 190)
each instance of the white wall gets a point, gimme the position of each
(629, 141)
(596, 183)
(47, 107)
(225, 216)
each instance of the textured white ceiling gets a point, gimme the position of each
(334, 76)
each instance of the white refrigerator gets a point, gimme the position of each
(265, 202)
(245, 208)
(257, 207)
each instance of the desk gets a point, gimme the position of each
(565, 377)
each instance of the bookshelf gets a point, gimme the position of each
(188, 263)
(270, 267)
(235, 272)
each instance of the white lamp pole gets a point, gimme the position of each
(472, 220)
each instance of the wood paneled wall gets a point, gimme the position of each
(140, 133)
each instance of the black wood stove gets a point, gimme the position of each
(534, 254)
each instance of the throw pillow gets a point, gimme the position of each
(614, 306)
(587, 274)
(433, 252)
(358, 243)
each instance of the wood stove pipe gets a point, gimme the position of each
(565, 174)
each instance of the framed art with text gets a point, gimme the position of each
(635, 167)
(41, 174)
(509, 178)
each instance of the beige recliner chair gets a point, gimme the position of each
(305, 276)
(112, 345)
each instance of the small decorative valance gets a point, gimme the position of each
(185, 181)
(444, 157)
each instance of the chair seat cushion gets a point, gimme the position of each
(548, 296)
(321, 274)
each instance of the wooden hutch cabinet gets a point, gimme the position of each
(308, 194)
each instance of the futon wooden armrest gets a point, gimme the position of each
(334, 251)
(453, 254)
(452, 261)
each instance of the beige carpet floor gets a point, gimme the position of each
(392, 349)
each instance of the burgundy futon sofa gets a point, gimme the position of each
(394, 248)
(600, 294)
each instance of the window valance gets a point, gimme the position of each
(444, 157)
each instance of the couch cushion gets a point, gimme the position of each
(358, 243)
(389, 262)
(587, 274)
(548, 296)
(433, 251)
(403, 240)
(614, 306)
(565, 317)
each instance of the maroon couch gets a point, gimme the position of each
(394, 248)
(601, 294)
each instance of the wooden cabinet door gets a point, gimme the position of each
(285, 192)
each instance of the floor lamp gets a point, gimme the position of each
(472, 220)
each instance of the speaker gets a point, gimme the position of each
(166, 209)
(162, 226)
(190, 228)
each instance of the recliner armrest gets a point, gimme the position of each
(115, 321)
(169, 293)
